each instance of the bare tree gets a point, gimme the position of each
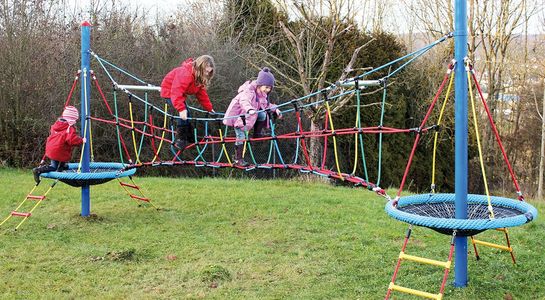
(310, 43)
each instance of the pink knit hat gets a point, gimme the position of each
(70, 114)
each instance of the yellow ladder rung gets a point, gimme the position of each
(423, 260)
(492, 245)
(501, 229)
(414, 292)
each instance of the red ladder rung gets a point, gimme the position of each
(20, 214)
(33, 197)
(139, 198)
(129, 185)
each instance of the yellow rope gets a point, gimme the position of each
(163, 134)
(334, 140)
(133, 134)
(225, 149)
(245, 142)
(481, 160)
(436, 135)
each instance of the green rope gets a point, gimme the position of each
(362, 148)
(380, 134)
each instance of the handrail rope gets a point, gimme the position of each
(423, 49)
(406, 63)
(118, 68)
(477, 136)
(436, 134)
(496, 133)
(417, 139)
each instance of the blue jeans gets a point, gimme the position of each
(55, 165)
(179, 121)
(239, 132)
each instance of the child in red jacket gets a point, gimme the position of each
(62, 139)
(192, 77)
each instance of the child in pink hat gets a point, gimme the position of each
(62, 139)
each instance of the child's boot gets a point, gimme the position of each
(261, 130)
(181, 140)
(239, 159)
(39, 170)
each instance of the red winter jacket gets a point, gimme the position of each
(62, 139)
(179, 83)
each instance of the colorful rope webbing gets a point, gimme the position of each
(161, 134)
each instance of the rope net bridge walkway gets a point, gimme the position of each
(150, 129)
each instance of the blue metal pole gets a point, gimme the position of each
(84, 111)
(461, 129)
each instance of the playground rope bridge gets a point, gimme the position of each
(150, 130)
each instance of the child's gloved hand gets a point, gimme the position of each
(278, 113)
(84, 140)
(251, 112)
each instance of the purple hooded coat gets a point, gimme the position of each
(246, 99)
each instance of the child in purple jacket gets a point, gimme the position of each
(252, 97)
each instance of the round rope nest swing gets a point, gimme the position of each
(99, 172)
(437, 211)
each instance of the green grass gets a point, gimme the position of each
(233, 239)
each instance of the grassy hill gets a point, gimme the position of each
(233, 239)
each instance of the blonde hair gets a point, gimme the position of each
(199, 68)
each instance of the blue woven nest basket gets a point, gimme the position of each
(437, 211)
(99, 172)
